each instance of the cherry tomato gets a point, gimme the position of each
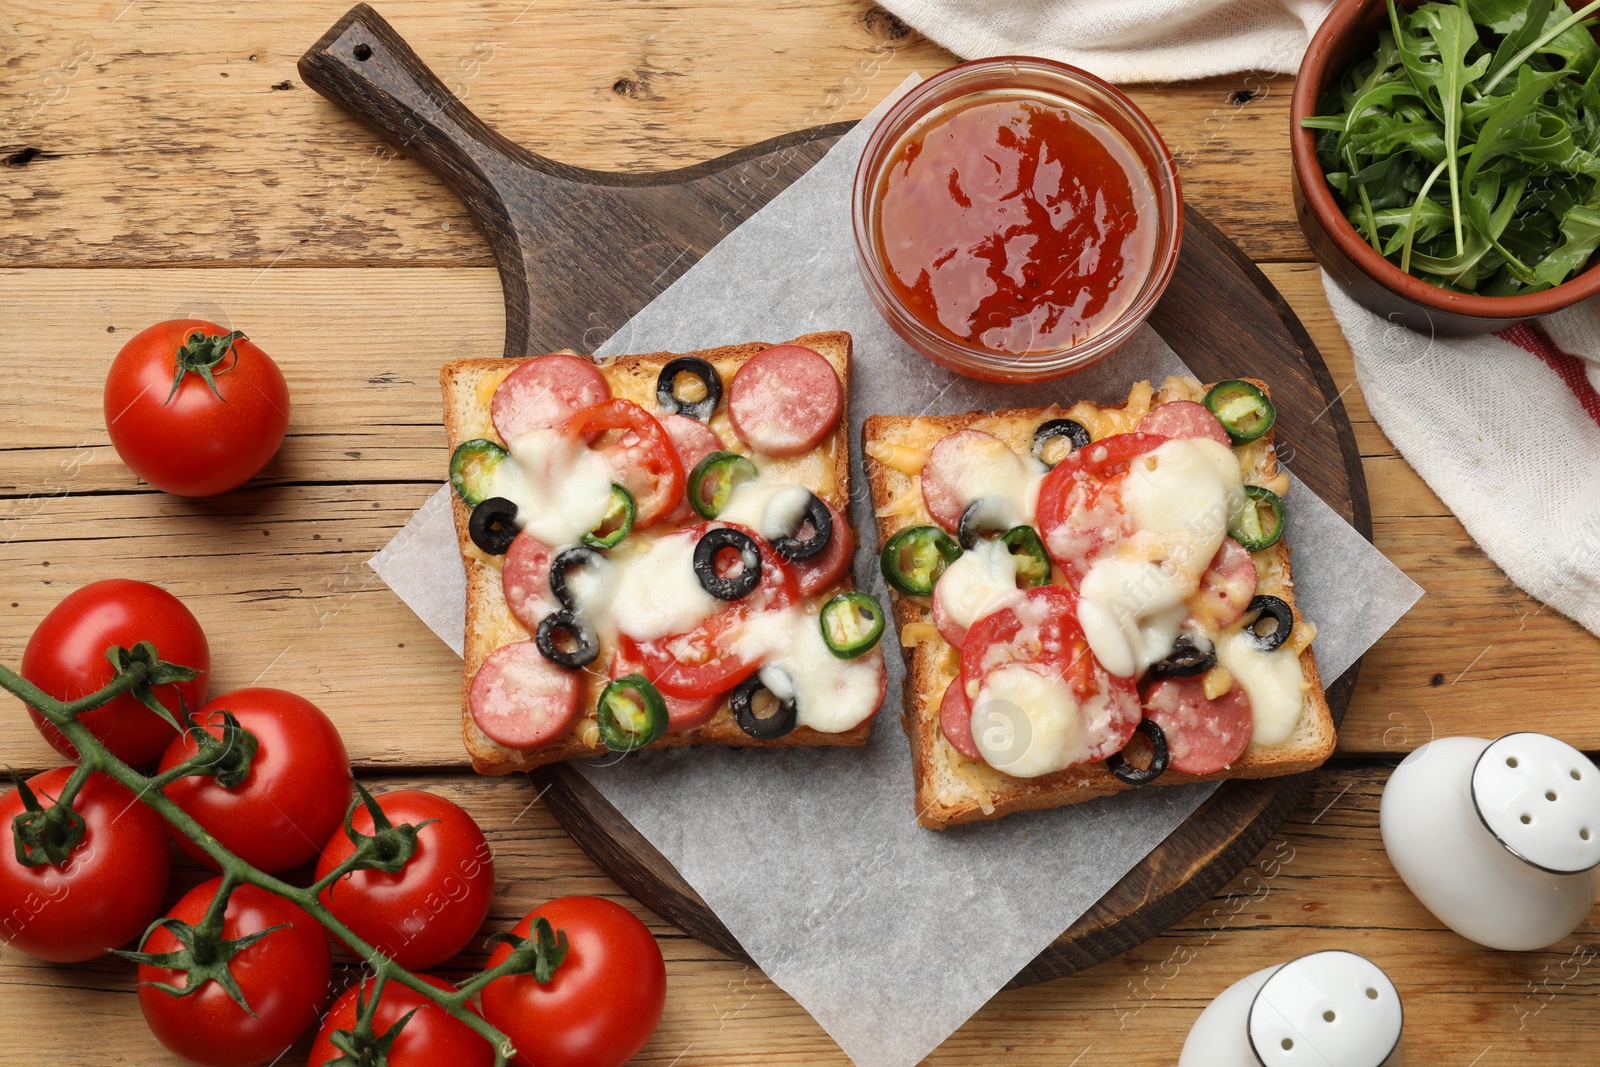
(603, 1002)
(295, 795)
(194, 441)
(110, 888)
(431, 1038)
(432, 907)
(1079, 500)
(285, 978)
(66, 657)
(640, 453)
(703, 662)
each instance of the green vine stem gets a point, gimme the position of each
(94, 757)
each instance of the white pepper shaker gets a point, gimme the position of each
(1499, 840)
(1328, 1009)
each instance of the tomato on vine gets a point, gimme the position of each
(194, 409)
(66, 657)
(601, 1004)
(429, 908)
(430, 1037)
(199, 970)
(293, 795)
(109, 882)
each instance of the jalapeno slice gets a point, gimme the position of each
(632, 713)
(851, 624)
(618, 522)
(713, 480)
(472, 468)
(915, 557)
(1259, 523)
(1244, 411)
(1033, 562)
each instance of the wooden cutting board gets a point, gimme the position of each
(580, 251)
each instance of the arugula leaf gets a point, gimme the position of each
(1580, 236)
(1434, 42)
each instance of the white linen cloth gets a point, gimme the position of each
(1509, 444)
(1126, 40)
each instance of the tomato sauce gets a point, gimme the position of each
(1016, 224)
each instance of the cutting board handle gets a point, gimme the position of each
(367, 68)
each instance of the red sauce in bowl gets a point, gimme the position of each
(1016, 224)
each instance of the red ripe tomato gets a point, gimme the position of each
(285, 978)
(603, 1002)
(1080, 499)
(431, 1038)
(432, 907)
(640, 453)
(295, 795)
(66, 657)
(109, 890)
(192, 440)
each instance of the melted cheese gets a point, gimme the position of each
(989, 470)
(1134, 598)
(906, 459)
(1216, 682)
(1107, 422)
(831, 695)
(1027, 724)
(562, 489)
(652, 591)
(912, 632)
(772, 510)
(979, 582)
(907, 503)
(1272, 680)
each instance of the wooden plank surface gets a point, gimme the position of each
(177, 136)
(1323, 882)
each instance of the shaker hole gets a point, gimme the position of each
(1288, 1043)
(1576, 776)
(1372, 994)
(1526, 819)
(1550, 794)
(1328, 1016)
(1511, 761)
(1584, 833)
(363, 52)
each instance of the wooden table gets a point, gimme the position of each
(164, 159)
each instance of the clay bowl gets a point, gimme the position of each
(1350, 32)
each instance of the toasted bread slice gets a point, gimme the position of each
(952, 789)
(469, 386)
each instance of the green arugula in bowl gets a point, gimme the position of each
(1466, 148)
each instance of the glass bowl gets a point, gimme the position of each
(1052, 83)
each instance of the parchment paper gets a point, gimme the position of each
(890, 935)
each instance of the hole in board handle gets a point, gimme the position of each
(363, 52)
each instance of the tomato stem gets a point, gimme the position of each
(203, 946)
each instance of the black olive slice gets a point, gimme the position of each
(816, 516)
(1282, 616)
(982, 518)
(566, 561)
(744, 581)
(1066, 429)
(1185, 660)
(567, 641)
(667, 398)
(762, 727)
(1159, 757)
(493, 525)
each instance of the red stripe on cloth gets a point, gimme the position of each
(1532, 338)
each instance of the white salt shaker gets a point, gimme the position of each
(1500, 840)
(1328, 1009)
